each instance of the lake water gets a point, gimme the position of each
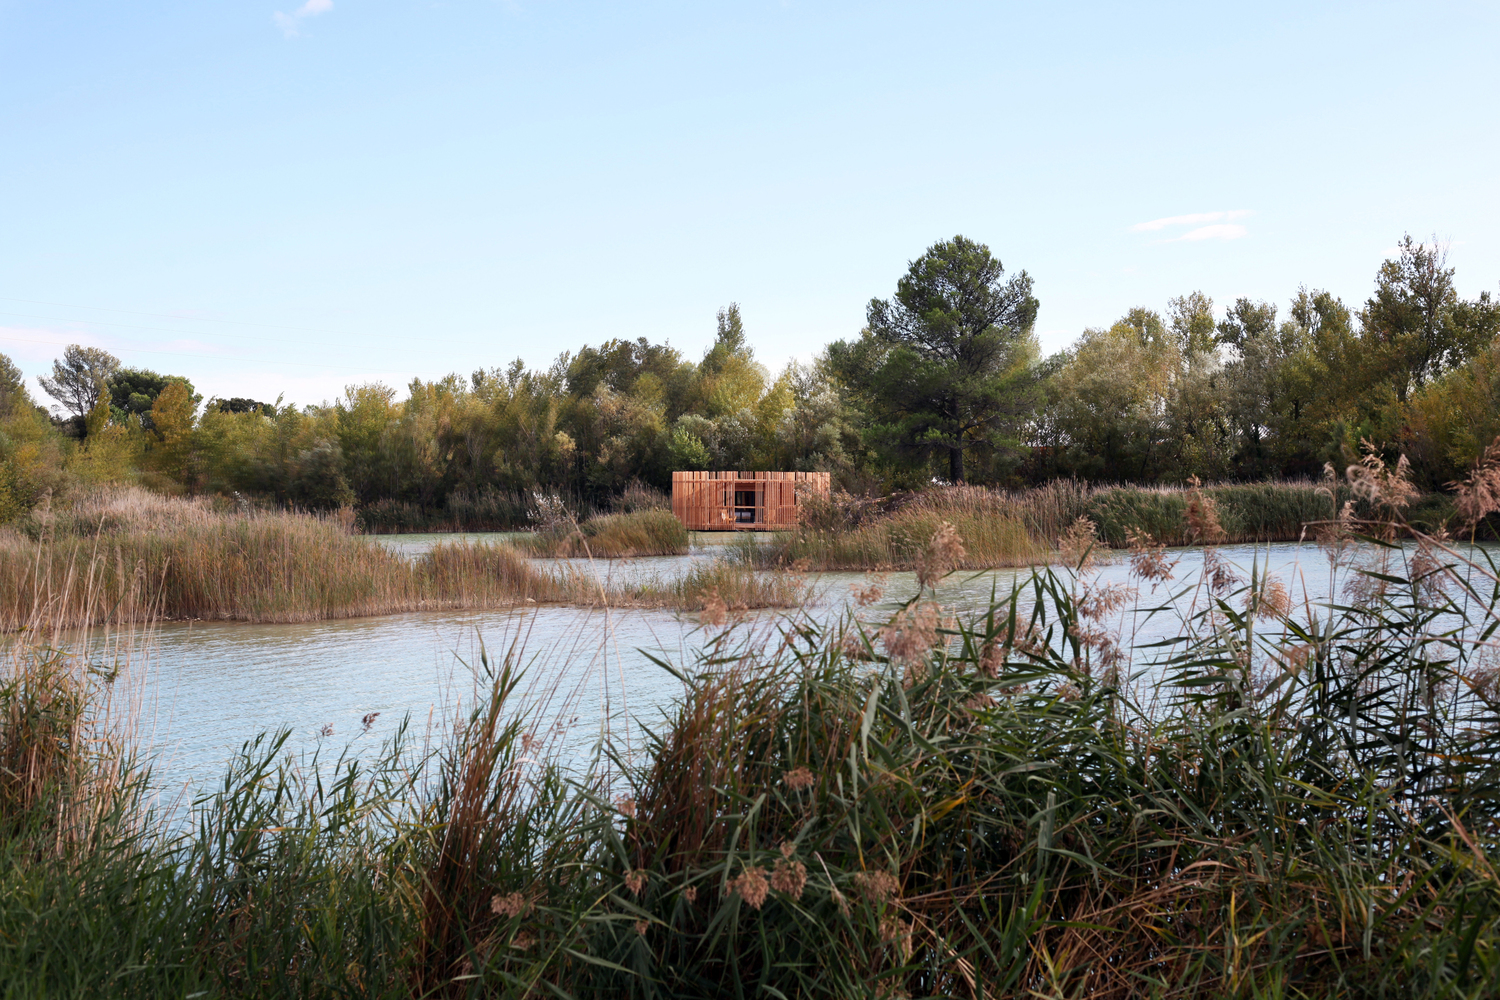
(206, 687)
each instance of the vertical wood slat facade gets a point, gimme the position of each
(743, 501)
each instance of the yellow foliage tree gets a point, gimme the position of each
(172, 419)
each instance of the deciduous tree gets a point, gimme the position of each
(1417, 322)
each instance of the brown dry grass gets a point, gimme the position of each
(610, 536)
(132, 556)
(1030, 527)
(849, 533)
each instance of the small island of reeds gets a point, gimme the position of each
(126, 555)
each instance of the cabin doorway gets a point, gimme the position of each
(746, 506)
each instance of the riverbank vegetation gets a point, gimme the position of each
(638, 533)
(846, 532)
(937, 385)
(128, 555)
(1010, 805)
(1032, 526)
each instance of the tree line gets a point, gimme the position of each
(946, 381)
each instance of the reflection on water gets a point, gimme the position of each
(213, 685)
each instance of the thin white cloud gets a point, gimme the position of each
(289, 23)
(1221, 231)
(1195, 219)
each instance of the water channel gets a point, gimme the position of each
(204, 688)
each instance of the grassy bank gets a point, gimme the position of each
(132, 556)
(979, 808)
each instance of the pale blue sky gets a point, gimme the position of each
(269, 197)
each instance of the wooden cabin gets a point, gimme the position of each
(743, 501)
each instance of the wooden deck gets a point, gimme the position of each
(743, 501)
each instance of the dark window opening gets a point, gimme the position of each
(744, 507)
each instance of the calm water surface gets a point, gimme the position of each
(207, 687)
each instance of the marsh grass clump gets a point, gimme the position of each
(647, 531)
(484, 574)
(739, 588)
(852, 533)
(131, 556)
(45, 731)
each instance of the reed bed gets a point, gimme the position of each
(131, 556)
(1024, 527)
(848, 533)
(486, 575)
(257, 567)
(479, 574)
(609, 536)
(1294, 806)
(721, 587)
(1248, 512)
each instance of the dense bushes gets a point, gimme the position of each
(487, 510)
